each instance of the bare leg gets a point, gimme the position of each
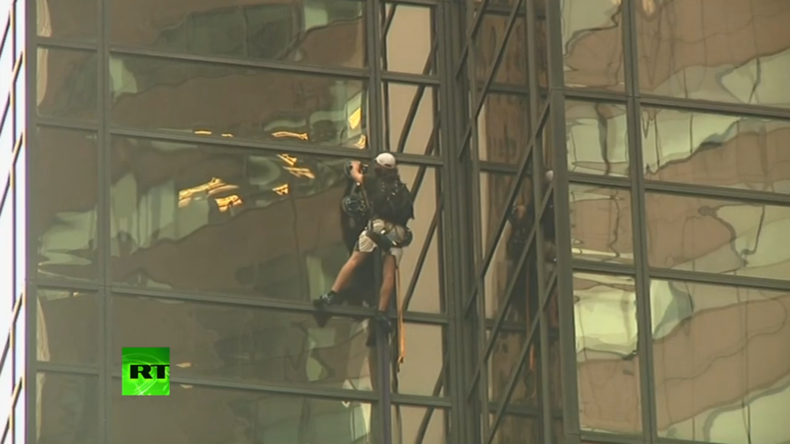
(387, 282)
(357, 257)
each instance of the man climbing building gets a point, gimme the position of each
(390, 207)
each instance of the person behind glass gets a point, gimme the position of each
(391, 208)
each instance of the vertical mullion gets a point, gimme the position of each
(562, 222)
(644, 336)
(104, 230)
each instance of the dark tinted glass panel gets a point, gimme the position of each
(504, 365)
(513, 67)
(552, 319)
(597, 138)
(716, 150)
(601, 229)
(64, 195)
(408, 35)
(69, 19)
(198, 415)
(718, 236)
(67, 84)
(244, 343)
(516, 429)
(593, 45)
(727, 52)
(720, 355)
(316, 32)
(411, 118)
(198, 218)
(225, 101)
(69, 408)
(68, 326)
(503, 128)
(606, 347)
(419, 425)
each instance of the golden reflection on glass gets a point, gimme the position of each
(721, 362)
(222, 101)
(314, 32)
(513, 66)
(726, 51)
(411, 118)
(201, 414)
(408, 39)
(592, 44)
(601, 228)
(66, 84)
(718, 236)
(716, 150)
(606, 347)
(69, 19)
(597, 138)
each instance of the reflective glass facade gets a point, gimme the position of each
(601, 194)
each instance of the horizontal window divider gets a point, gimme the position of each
(517, 410)
(727, 280)
(710, 192)
(273, 389)
(421, 401)
(706, 106)
(424, 318)
(604, 181)
(486, 166)
(501, 89)
(297, 68)
(428, 3)
(410, 79)
(612, 268)
(509, 326)
(611, 438)
(56, 43)
(72, 369)
(660, 440)
(598, 95)
(65, 284)
(59, 122)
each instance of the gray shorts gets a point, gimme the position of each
(394, 232)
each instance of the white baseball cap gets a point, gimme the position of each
(386, 160)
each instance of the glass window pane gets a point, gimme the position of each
(197, 414)
(718, 236)
(6, 64)
(20, 419)
(20, 216)
(716, 150)
(20, 344)
(411, 120)
(421, 372)
(6, 145)
(67, 19)
(6, 263)
(244, 343)
(67, 82)
(223, 101)
(258, 224)
(513, 67)
(720, 362)
(6, 386)
(69, 326)
(20, 27)
(503, 129)
(71, 408)
(408, 36)
(593, 45)
(419, 425)
(738, 53)
(601, 228)
(20, 102)
(314, 32)
(606, 348)
(519, 429)
(597, 138)
(66, 194)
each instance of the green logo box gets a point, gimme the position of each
(145, 371)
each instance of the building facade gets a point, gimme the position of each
(600, 189)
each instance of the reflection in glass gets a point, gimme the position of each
(70, 324)
(68, 408)
(197, 415)
(601, 228)
(716, 150)
(517, 429)
(314, 32)
(224, 101)
(408, 36)
(428, 292)
(411, 118)
(503, 128)
(419, 425)
(244, 343)
(66, 84)
(65, 193)
(552, 318)
(718, 236)
(606, 347)
(593, 45)
(503, 363)
(731, 51)
(721, 362)
(424, 361)
(67, 19)
(597, 138)
(513, 67)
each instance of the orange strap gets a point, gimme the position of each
(401, 329)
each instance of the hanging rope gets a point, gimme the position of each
(401, 329)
